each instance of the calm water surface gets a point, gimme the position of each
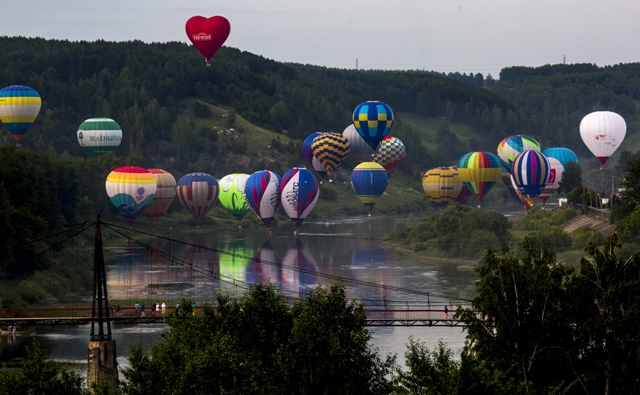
(347, 249)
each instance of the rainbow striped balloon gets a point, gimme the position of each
(19, 107)
(513, 146)
(530, 171)
(479, 171)
(130, 189)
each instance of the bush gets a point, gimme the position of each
(200, 110)
(585, 235)
(555, 238)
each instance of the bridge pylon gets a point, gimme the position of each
(103, 367)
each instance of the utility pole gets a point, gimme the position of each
(612, 192)
(356, 63)
(103, 367)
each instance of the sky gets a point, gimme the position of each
(468, 36)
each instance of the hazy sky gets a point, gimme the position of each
(444, 35)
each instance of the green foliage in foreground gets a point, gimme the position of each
(258, 344)
(41, 376)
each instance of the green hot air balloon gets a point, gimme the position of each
(232, 194)
(98, 136)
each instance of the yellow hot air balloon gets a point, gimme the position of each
(442, 186)
(19, 107)
(165, 192)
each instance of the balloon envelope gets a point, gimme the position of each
(513, 146)
(308, 154)
(602, 132)
(165, 192)
(390, 153)
(208, 34)
(299, 193)
(232, 194)
(130, 189)
(530, 172)
(553, 183)
(198, 192)
(330, 149)
(19, 107)
(442, 186)
(369, 180)
(564, 155)
(98, 136)
(479, 171)
(262, 192)
(372, 120)
(360, 150)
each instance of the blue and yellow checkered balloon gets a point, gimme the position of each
(373, 120)
(330, 149)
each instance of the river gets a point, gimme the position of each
(340, 251)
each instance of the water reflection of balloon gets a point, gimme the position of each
(208, 34)
(97, 136)
(513, 146)
(299, 193)
(373, 120)
(360, 150)
(232, 194)
(308, 155)
(165, 192)
(390, 154)
(265, 266)
(198, 192)
(530, 172)
(369, 180)
(262, 191)
(442, 186)
(130, 189)
(330, 149)
(299, 270)
(19, 108)
(233, 266)
(479, 171)
(602, 132)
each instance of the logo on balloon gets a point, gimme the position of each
(140, 193)
(552, 176)
(202, 37)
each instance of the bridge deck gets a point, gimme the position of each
(82, 316)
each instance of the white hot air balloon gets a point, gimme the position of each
(553, 183)
(360, 151)
(602, 132)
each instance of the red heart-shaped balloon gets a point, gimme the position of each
(208, 34)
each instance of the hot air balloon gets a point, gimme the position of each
(521, 198)
(262, 191)
(232, 194)
(390, 153)
(506, 180)
(198, 192)
(564, 155)
(208, 34)
(330, 149)
(360, 150)
(98, 136)
(165, 192)
(479, 171)
(19, 107)
(553, 183)
(308, 154)
(130, 189)
(441, 185)
(513, 146)
(602, 132)
(299, 193)
(369, 180)
(372, 120)
(530, 172)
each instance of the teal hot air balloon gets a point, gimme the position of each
(372, 120)
(19, 107)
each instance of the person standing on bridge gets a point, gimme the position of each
(446, 313)
(164, 308)
(142, 310)
(137, 313)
